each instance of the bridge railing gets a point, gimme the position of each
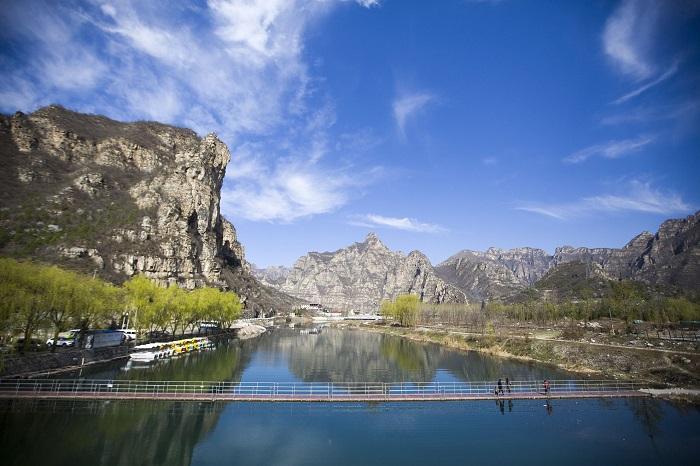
(297, 390)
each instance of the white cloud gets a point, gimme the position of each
(628, 40)
(236, 67)
(627, 36)
(489, 161)
(645, 87)
(407, 106)
(369, 3)
(610, 149)
(398, 223)
(638, 196)
(683, 110)
(289, 189)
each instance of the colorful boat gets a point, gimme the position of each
(155, 351)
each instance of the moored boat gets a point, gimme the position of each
(155, 351)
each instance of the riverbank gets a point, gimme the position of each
(47, 363)
(663, 367)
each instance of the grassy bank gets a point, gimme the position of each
(654, 366)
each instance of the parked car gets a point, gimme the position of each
(65, 338)
(62, 341)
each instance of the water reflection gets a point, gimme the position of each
(338, 355)
(110, 433)
(634, 431)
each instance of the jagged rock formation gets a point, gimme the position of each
(271, 276)
(670, 258)
(119, 199)
(496, 272)
(364, 274)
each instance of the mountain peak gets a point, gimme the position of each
(372, 239)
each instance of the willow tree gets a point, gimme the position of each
(403, 310)
(23, 297)
(142, 295)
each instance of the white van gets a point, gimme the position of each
(129, 333)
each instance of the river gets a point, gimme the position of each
(613, 431)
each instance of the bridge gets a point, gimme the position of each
(93, 389)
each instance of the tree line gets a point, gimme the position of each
(37, 297)
(628, 301)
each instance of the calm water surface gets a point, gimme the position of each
(621, 431)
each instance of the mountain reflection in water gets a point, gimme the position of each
(615, 431)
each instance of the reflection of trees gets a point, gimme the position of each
(114, 433)
(125, 432)
(648, 412)
(348, 356)
(473, 366)
(338, 355)
(225, 364)
(408, 356)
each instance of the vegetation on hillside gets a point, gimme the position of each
(38, 297)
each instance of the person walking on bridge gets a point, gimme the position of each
(500, 386)
(508, 386)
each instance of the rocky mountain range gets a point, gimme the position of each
(670, 258)
(361, 276)
(118, 199)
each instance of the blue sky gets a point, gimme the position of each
(441, 126)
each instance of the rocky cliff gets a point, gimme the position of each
(364, 274)
(118, 199)
(495, 273)
(271, 276)
(668, 259)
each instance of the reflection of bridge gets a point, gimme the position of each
(311, 391)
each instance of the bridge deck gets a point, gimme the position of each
(81, 389)
(315, 398)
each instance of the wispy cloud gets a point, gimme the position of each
(648, 114)
(236, 67)
(628, 40)
(610, 149)
(397, 223)
(407, 106)
(645, 87)
(627, 35)
(489, 161)
(638, 196)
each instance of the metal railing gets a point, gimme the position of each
(312, 390)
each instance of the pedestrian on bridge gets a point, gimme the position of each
(508, 386)
(500, 386)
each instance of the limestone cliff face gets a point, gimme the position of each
(271, 276)
(364, 274)
(119, 199)
(670, 258)
(495, 273)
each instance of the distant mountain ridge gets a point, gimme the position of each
(363, 274)
(669, 258)
(360, 276)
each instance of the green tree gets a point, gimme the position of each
(403, 310)
(142, 300)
